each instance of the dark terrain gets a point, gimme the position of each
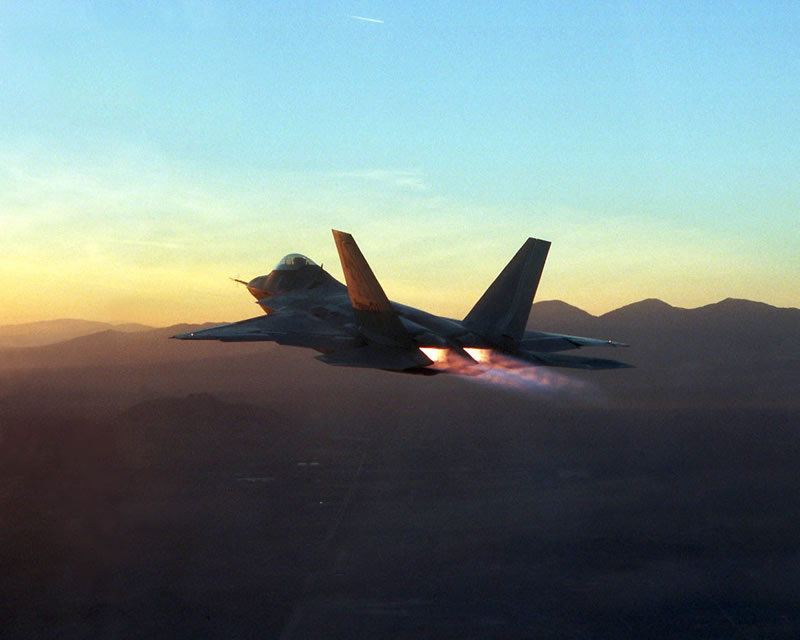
(160, 489)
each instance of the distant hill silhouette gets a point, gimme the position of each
(732, 352)
(556, 312)
(43, 332)
(118, 347)
(734, 347)
(730, 325)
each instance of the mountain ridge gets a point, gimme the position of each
(76, 327)
(751, 327)
(733, 351)
(43, 332)
(111, 347)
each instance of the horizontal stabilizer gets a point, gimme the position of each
(542, 341)
(570, 362)
(378, 357)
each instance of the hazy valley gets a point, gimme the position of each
(167, 489)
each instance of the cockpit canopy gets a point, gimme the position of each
(294, 261)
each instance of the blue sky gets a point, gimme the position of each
(151, 149)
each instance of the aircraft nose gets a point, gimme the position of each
(256, 282)
(257, 287)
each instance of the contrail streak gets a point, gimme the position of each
(367, 19)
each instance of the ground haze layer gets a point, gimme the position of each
(167, 489)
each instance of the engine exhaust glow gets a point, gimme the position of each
(436, 354)
(516, 374)
(480, 355)
(492, 367)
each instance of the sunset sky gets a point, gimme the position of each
(149, 150)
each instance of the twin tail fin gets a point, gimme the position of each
(502, 312)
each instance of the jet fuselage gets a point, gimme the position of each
(357, 325)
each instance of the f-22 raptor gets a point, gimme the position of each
(358, 326)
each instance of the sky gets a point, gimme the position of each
(150, 150)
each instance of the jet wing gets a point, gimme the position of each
(288, 327)
(548, 342)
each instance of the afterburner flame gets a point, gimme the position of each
(480, 355)
(497, 368)
(451, 361)
(435, 353)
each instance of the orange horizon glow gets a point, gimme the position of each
(131, 191)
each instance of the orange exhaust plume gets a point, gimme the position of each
(493, 367)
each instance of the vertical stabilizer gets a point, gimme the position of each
(502, 312)
(377, 319)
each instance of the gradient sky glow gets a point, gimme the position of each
(149, 150)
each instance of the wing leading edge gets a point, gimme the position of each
(288, 327)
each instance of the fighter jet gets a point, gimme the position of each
(356, 325)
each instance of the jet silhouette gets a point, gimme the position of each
(358, 326)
